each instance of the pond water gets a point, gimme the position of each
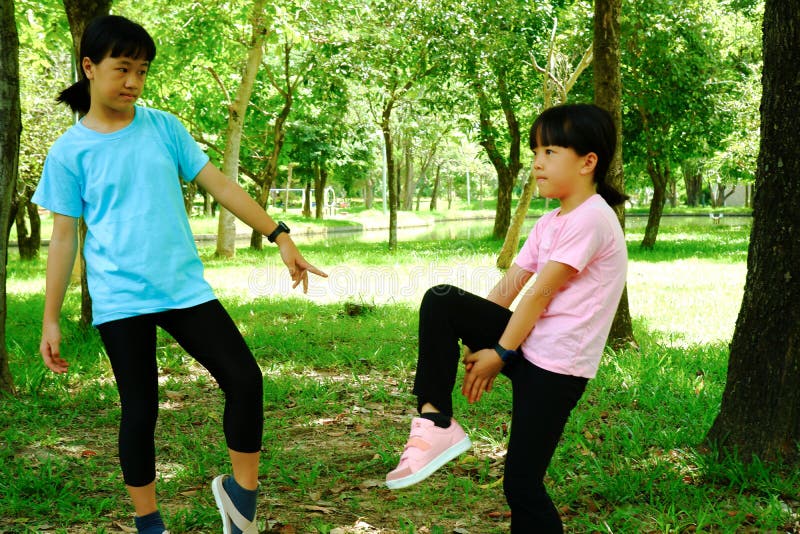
(483, 227)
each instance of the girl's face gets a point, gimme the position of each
(560, 172)
(116, 83)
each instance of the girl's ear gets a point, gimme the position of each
(589, 163)
(88, 68)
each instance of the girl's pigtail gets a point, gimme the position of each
(76, 96)
(610, 194)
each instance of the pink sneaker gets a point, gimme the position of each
(428, 448)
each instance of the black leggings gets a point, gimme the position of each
(210, 336)
(542, 399)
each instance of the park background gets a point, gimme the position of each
(391, 136)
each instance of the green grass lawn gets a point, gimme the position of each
(338, 403)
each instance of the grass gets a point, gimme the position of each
(337, 403)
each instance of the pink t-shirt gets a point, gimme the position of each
(571, 333)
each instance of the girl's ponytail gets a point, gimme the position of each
(610, 194)
(76, 96)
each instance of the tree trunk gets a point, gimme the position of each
(408, 183)
(608, 95)
(86, 297)
(659, 177)
(278, 138)
(390, 176)
(320, 182)
(307, 200)
(28, 245)
(369, 194)
(507, 169)
(206, 202)
(10, 128)
(693, 180)
(450, 193)
(673, 192)
(188, 196)
(511, 243)
(79, 14)
(226, 229)
(760, 412)
(435, 191)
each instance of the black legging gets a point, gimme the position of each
(210, 336)
(542, 399)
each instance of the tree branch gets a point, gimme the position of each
(221, 85)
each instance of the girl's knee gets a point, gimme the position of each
(438, 294)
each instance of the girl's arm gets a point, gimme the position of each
(507, 289)
(60, 260)
(237, 201)
(484, 365)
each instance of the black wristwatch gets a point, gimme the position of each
(505, 354)
(278, 231)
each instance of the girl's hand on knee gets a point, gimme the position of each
(482, 368)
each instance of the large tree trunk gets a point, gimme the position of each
(659, 175)
(79, 14)
(608, 95)
(10, 128)
(226, 229)
(760, 412)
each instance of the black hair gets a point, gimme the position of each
(106, 36)
(584, 128)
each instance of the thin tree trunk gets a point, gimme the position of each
(369, 194)
(408, 172)
(511, 243)
(760, 411)
(226, 229)
(320, 182)
(390, 176)
(28, 244)
(188, 196)
(435, 192)
(659, 177)
(10, 128)
(307, 200)
(278, 138)
(608, 95)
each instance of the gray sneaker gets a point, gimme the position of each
(230, 515)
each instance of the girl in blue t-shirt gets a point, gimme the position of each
(118, 168)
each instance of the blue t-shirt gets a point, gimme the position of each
(140, 252)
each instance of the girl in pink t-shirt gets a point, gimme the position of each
(551, 344)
